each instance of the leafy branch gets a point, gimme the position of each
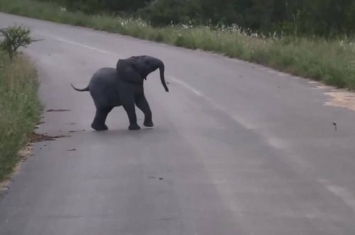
(14, 38)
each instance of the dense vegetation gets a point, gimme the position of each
(19, 108)
(19, 104)
(302, 17)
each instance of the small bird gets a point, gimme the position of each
(335, 126)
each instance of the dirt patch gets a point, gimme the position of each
(58, 110)
(35, 137)
(72, 123)
(342, 98)
(322, 86)
(60, 136)
(76, 131)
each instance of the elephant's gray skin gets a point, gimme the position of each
(123, 86)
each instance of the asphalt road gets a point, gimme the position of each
(237, 149)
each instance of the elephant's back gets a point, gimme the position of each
(103, 78)
(103, 86)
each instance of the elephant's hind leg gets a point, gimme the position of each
(143, 105)
(100, 118)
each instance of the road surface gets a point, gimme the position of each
(237, 149)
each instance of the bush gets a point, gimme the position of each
(14, 38)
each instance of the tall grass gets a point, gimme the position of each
(19, 109)
(331, 62)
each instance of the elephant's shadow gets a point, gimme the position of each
(122, 133)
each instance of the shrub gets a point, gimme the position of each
(14, 38)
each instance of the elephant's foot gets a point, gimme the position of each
(99, 127)
(134, 127)
(148, 123)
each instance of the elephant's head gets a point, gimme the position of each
(143, 65)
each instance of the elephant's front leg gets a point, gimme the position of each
(128, 105)
(131, 116)
(143, 105)
(100, 118)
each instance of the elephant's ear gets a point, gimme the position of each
(138, 66)
(134, 65)
(128, 71)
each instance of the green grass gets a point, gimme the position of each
(331, 62)
(19, 109)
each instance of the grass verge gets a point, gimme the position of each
(19, 109)
(331, 62)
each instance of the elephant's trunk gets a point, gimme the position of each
(162, 77)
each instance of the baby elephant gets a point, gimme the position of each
(123, 86)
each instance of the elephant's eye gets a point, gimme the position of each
(147, 62)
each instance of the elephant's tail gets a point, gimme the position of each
(77, 89)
